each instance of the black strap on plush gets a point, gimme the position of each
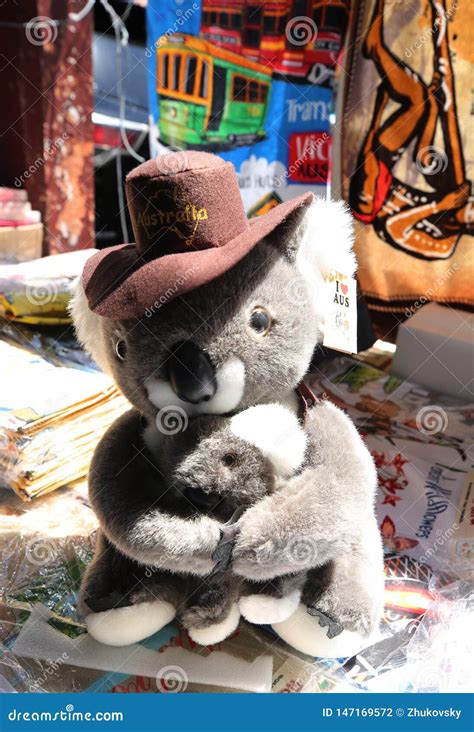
(307, 400)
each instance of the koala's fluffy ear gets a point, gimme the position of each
(327, 237)
(319, 239)
(90, 328)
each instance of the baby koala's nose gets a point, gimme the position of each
(191, 373)
(201, 500)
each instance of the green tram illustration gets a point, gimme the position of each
(209, 96)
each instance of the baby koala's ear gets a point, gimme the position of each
(276, 432)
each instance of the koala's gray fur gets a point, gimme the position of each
(195, 467)
(328, 507)
(216, 316)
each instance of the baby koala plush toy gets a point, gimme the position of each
(219, 466)
(209, 316)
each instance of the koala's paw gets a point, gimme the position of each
(261, 561)
(358, 618)
(218, 631)
(198, 616)
(210, 606)
(262, 558)
(262, 551)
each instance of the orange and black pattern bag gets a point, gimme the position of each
(407, 151)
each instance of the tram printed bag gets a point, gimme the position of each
(408, 151)
(251, 81)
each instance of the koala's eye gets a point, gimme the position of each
(121, 350)
(260, 321)
(229, 459)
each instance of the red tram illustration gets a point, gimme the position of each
(299, 39)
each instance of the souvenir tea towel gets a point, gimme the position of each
(252, 81)
(407, 150)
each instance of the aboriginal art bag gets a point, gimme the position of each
(407, 152)
(252, 81)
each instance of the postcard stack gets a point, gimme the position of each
(51, 418)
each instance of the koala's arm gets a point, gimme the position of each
(313, 515)
(124, 489)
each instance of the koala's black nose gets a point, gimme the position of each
(191, 374)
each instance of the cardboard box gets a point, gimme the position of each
(20, 243)
(435, 348)
(461, 545)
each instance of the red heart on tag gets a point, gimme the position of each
(344, 288)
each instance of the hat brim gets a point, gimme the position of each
(120, 284)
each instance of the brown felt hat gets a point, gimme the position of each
(190, 227)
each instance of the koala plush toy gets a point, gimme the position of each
(209, 313)
(219, 466)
